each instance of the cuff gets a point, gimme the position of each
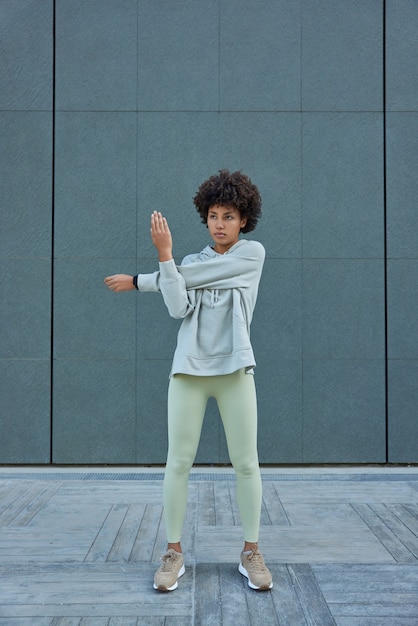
(168, 269)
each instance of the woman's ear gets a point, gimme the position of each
(244, 222)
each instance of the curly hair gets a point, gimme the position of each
(230, 189)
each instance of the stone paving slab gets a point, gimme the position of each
(81, 549)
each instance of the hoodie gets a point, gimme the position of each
(215, 295)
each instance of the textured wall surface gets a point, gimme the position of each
(26, 96)
(402, 228)
(110, 109)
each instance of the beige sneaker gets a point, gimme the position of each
(171, 568)
(253, 567)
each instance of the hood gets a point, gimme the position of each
(209, 252)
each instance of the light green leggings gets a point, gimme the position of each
(187, 400)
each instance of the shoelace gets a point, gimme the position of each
(168, 561)
(257, 560)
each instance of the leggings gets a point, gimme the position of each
(187, 400)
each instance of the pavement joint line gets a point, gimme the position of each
(210, 476)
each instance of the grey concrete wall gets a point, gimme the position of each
(113, 108)
(402, 228)
(26, 101)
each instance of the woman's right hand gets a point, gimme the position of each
(119, 282)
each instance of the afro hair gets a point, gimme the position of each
(230, 189)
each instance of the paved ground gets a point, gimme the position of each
(79, 547)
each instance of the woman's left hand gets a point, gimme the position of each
(161, 237)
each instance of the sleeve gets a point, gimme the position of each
(228, 271)
(172, 286)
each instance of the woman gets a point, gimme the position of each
(214, 292)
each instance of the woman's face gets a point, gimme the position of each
(224, 224)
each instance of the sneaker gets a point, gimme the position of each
(253, 567)
(171, 568)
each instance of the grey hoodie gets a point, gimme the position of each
(215, 294)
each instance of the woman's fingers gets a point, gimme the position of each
(158, 222)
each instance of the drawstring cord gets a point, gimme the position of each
(214, 297)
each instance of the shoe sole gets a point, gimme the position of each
(173, 587)
(244, 572)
